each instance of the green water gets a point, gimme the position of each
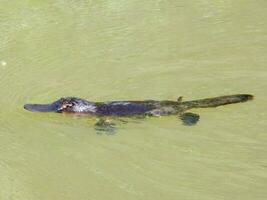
(120, 50)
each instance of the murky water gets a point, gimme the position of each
(118, 50)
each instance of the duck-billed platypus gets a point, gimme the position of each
(102, 110)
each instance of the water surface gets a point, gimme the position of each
(121, 50)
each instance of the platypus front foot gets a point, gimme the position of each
(105, 125)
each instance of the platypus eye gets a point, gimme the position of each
(66, 107)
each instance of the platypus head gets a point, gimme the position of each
(69, 105)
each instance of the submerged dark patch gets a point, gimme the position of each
(189, 119)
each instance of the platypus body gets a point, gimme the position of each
(136, 108)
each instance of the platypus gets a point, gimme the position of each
(105, 110)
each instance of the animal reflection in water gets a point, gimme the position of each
(108, 112)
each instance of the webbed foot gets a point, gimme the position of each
(189, 119)
(105, 126)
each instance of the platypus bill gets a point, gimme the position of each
(103, 110)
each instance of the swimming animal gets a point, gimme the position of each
(105, 110)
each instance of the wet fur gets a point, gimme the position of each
(102, 110)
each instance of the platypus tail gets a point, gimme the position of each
(217, 101)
